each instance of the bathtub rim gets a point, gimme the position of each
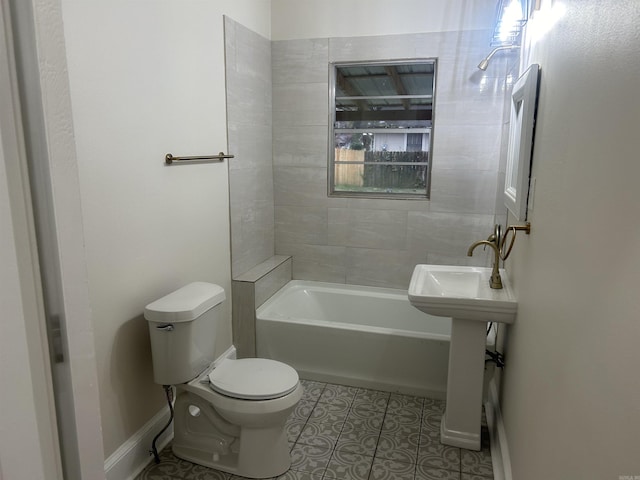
(358, 290)
(360, 328)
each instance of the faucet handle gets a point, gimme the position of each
(513, 229)
(497, 232)
(496, 236)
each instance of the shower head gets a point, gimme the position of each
(485, 61)
(484, 64)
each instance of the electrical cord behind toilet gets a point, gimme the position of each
(169, 394)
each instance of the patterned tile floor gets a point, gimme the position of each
(347, 433)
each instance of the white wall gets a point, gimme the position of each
(293, 19)
(147, 78)
(571, 385)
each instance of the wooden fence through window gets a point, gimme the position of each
(349, 174)
(380, 176)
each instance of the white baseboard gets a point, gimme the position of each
(499, 447)
(133, 455)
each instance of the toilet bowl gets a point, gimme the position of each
(231, 414)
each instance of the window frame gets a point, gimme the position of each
(331, 192)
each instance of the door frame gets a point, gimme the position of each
(28, 371)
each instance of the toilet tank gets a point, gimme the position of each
(182, 328)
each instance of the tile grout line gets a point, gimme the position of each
(415, 467)
(315, 403)
(384, 415)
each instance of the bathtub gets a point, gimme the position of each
(361, 336)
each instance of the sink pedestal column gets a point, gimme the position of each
(461, 423)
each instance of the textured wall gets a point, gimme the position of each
(149, 229)
(571, 385)
(248, 80)
(378, 242)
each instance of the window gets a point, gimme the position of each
(381, 128)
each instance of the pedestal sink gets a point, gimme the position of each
(463, 294)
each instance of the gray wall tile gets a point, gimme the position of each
(252, 144)
(243, 318)
(301, 225)
(383, 47)
(316, 262)
(476, 110)
(464, 147)
(378, 241)
(302, 146)
(262, 269)
(250, 186)
(273, 281)
(303, 186)
(381, 268)
(300, 61)
(384, 229)
(463, 191)
(296, 104)
(279, 201)
(254, 288)
(443, 259)
(253, 237)
(249, 117)
(447, 233)
(419, 204)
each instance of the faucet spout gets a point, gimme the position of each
(495, 281)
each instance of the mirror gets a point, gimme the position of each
(521, 128)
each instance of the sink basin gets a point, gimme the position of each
(462, 292)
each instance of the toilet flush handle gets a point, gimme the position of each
(165, 328)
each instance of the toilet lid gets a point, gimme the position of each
(253, 379)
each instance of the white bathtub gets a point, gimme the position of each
(361, 336)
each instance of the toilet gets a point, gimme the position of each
(229, 415)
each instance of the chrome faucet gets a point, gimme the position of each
(494, 242)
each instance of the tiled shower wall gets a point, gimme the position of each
(378, 242)
(249, 117)
(357, 241)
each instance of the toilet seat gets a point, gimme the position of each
(253, 379)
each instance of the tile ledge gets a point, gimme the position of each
(256, 273)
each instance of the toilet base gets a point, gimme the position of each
(270, 462)
(204, 437)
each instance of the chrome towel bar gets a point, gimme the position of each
(169, 159)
